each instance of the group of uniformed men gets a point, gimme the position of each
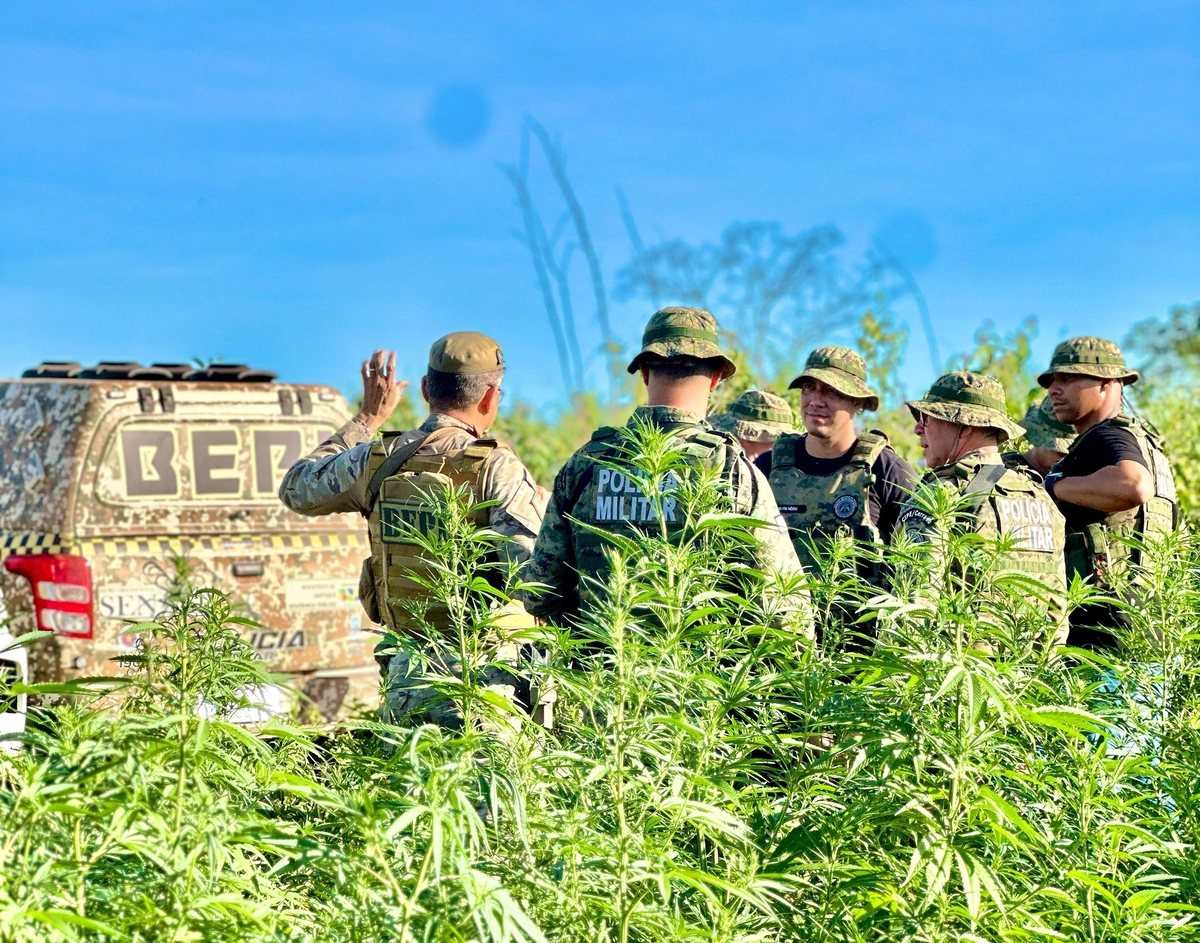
(1092, 477)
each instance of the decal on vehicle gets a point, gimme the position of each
(141, 603)
(214, 461)
(148, 462)
(306, 595)
(275, 451)
(273, 641)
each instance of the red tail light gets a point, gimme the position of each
(62, 591)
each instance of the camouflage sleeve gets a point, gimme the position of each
(330, 479)
(519, 506)
(775, 554)
(553, 560)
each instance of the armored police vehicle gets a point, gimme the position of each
(111, 474)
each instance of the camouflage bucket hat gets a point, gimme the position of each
(1089, 357)
(842, 369)
(756, 416)
(683, 332)
(1043, 431)
(970, 399)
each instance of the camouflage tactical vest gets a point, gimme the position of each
(612, 497)
(405, 504)
(1009, 502)
(1090, 551)
(816, 507)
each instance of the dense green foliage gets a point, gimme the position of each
(714, 775)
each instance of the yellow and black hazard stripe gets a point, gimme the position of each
(31, 543)
(11, 542)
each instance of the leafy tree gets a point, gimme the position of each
(1169, 350)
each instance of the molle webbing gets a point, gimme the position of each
(608, 494)
(819, 506)
(1090, 550)
(403, 503)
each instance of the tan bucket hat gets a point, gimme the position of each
(842, 369)
(756, 416)
(1089, 357)
(1043, 431)
(970, 399)
(683, 332)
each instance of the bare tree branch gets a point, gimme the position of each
(639, 249)
(612, 346)
(935, 358)
(534, 236)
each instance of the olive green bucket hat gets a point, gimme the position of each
(1043, 431)
(1089, 357)
(756, 416)
(682, 332)
(970, 399)
(842, 369)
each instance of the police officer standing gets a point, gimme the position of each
(1115, 482)
(351, 470)
(681, 362)
(961, 423)
(833, 478)
(757, 418)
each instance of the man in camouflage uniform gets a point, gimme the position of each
(352, 471)
(961, 423)
(681, 363)
(832, 478)
(757, 418)
(1049, 440)
(1114, 484)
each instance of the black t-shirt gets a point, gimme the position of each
(1099, 447)
(895, 480)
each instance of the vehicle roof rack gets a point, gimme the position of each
(53, 369)
(129, 370)
(110, 370)
(177, 371)
(231, 373)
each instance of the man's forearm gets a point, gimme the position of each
(1118, 487)
(326, 480)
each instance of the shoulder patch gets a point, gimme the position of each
(915, 520)
(604, 433)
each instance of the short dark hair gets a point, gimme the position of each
(458, 390)
(682, 368)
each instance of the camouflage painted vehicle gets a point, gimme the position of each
(109, 475)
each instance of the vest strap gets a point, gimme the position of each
(985, 479)
(394, 462)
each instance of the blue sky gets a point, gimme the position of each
(292, 185)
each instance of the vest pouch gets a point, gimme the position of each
(1096, 538)
(367, 594)
(1079, 558)
(408, 510)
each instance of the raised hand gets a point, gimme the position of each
(381, 390)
